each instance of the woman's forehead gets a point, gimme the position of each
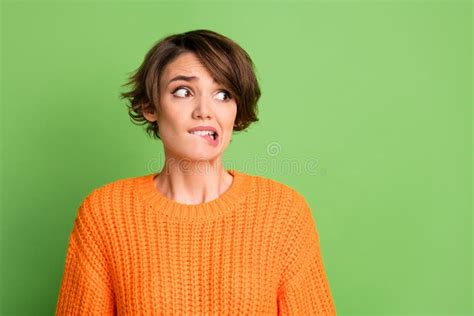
(186, 63)
(187, 67)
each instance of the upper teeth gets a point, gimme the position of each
(203, 133)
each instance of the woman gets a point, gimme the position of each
(194, 238)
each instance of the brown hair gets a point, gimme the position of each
(228, 63)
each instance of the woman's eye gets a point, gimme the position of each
(226, 93)
(181, 94)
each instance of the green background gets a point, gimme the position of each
(365, 109)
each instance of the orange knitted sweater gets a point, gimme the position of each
(253, 251)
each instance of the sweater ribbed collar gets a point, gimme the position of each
(241, 184)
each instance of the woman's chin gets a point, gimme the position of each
(194, 152)
(195, 155)
(202, 156)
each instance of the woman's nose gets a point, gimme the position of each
(202, 108)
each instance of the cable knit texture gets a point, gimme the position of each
(252, 251)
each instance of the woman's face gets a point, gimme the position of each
(190, 103)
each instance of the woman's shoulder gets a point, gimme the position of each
(112, 196)
(113, 188)
(274, 186)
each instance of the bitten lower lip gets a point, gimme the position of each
(208, 138)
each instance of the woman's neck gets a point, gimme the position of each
(193, 182)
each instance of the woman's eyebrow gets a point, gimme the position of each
(186, 78)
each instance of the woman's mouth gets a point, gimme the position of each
(210, 136)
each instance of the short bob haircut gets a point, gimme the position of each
(227, 62)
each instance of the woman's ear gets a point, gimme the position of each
(149, 112)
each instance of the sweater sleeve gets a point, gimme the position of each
(86, 287)
(304, 289)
